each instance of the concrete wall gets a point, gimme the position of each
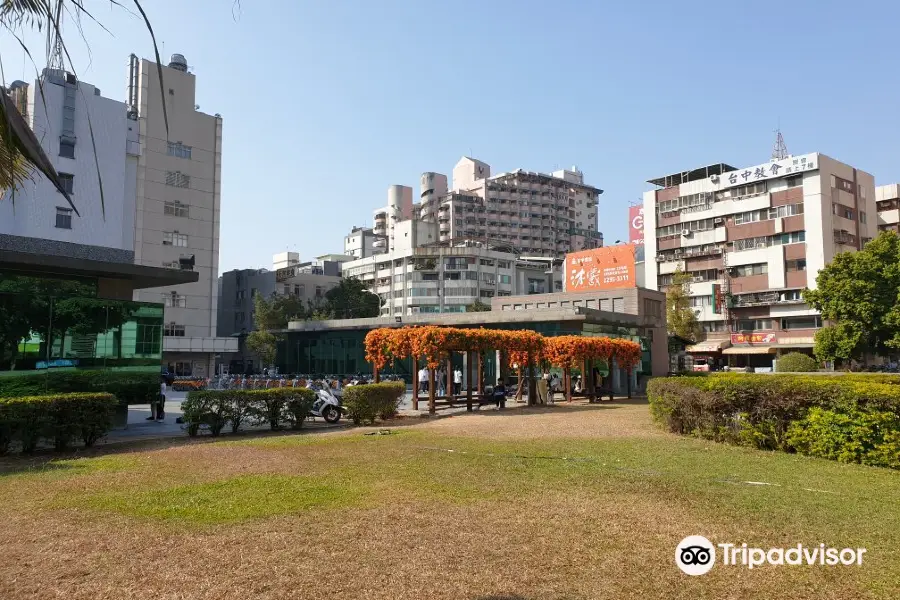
(31, 211)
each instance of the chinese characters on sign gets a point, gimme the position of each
(753, 338)
(604, 268)
(718, 299)
(636, 224)
(787, 166)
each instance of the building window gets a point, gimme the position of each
(66, 149)
(862, 217)
(749, 270)
(68, 182)
(795, 265)
(178, 149)
(810, 322)
(176, 209)
(696, 301)
(653, 308)
(173, 330)
(63, 218)
(507, 279)
(178, 179)
(173, 238)
(755, 325)
(713, 326)
(795, 181)
(174, 300)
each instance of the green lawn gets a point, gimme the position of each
(574, 503)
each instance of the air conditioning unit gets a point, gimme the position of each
(719, 221)
(686, 233)
(678, 252)
(660, 258)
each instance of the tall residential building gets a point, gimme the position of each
(535, 214)
(752, 239)
(399, 208)
(178, 196)
(62, 118)
(887, 198)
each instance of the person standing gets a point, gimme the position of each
(441, 381)
(161, 401)
(423, 380)
(457, 381)
(543, 389)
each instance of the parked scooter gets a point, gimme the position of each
(327, 404)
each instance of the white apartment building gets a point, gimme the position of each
(62, 120)
(420, 276)
(360, 242)
(399, 208)
(752, 239)
(178, 199)
(887, 198)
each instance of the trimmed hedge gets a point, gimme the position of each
(218, 408)
(59, 419)
(365, 403)
(793, 413)
(130, 387)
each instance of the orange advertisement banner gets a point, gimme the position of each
(604, 268)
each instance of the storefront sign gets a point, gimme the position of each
(285, 273)
(779, 168)
(753, 338)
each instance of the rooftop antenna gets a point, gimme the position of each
(779, 151)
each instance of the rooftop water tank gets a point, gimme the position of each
(178, 63)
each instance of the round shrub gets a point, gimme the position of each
(797, 362)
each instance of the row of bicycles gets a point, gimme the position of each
(262, 382)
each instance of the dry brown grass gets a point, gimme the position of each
(442, 525)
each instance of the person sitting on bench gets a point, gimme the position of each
(499, 394)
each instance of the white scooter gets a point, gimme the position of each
(327, 405)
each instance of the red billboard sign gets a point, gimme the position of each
(753, 338)
(605, 268)
(636, 224)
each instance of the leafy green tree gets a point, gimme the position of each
(858, 293)
(681, 320)
(478, 306)
(264, 344)
(350, 299)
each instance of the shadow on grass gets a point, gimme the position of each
(48, 459)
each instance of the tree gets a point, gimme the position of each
(858, 294)
(478, 306)
(350, 299)
(264, 345)
(681, 320)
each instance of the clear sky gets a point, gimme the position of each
(327, 103)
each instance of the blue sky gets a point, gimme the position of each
(327, 103)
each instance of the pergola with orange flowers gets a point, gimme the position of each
(524, 348)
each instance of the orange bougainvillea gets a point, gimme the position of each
(435, 343)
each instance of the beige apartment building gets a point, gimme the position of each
(178, 195)
(752, 239)
(534, 214)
